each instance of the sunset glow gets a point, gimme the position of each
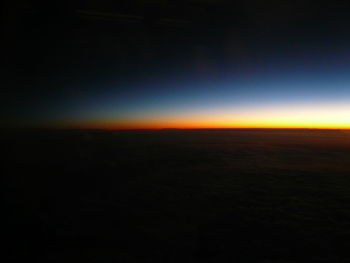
(252, 103)
(327, 116)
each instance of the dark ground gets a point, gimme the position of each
(177, 196)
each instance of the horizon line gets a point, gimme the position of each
(173, 129)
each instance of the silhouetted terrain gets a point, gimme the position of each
(177, 196)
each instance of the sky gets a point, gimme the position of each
(287, 99)
(233, 66)
(315, 103)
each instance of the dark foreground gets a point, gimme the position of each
(177, 196)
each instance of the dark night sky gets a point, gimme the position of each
(69, 62)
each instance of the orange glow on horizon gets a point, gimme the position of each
(202, 125)
(334, 117)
